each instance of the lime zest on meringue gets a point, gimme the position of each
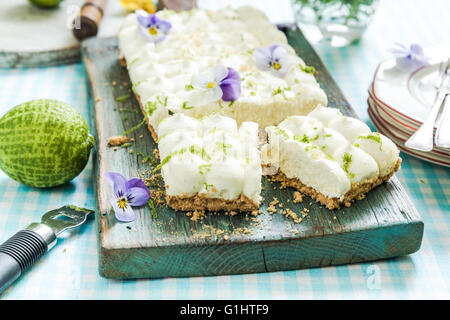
(204, 168)
(375, 136)
(347, 160)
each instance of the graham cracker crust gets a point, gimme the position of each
(199, 202)
(357, 191)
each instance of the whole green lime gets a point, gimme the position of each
(44, 143)
(46, 3)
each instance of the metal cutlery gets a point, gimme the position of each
(442, 136)
(422, 139)
(27, 246)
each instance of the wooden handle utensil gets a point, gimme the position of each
(89, 19)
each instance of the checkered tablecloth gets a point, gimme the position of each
(70, 270)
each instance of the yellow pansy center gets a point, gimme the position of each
(153, 31)
(122, 203)
(210, 85)
(276, 65)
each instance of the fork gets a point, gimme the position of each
(422, 139)
(442, 137)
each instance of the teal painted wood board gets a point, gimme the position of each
(383, 225)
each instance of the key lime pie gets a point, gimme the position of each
(207, 80)
(330, 157)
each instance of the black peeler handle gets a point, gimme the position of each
(21, 251)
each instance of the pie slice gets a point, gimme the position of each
(332, 158)
(210, 163)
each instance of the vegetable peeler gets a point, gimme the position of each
(27, 246)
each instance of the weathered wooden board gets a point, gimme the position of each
(384, 224)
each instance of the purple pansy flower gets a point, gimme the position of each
(219, 82)
(152, 27)
(409, 59)
(273, 58)
(127, 193)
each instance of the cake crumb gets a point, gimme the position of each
(291, 214)
(274, 202)
(272, 209)
(198, 215)
(117, 140)
(298, 197)
(256, 212)
(156, 153)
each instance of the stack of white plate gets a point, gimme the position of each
(399, 102)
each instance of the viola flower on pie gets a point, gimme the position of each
(152, 27)
(273, 58)
(127, 194)
(409, 59)
(219, 82)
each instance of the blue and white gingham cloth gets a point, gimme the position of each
(70, 270)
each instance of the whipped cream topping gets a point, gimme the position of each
(162, 73)
(210, 157)
(328, 151)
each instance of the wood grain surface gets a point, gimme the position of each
(385, 224)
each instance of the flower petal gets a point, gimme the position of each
(213, 94)
(202, 80)
(263, 58)
(138, 196)
(233, 75)
(231, 89)
(279, 54)
(219, 73)
(123, 215)
(118, 182)
(163, 26)
(405, 64)
(135, 182)
(273, 47)
(416, 49)
(399, 50)
(143, 18)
